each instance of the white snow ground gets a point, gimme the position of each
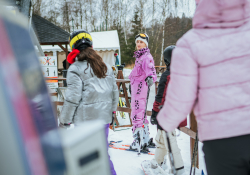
(129, 163)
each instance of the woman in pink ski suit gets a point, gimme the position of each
(142, 77)
(210, 74)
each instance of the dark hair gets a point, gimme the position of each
(95, 61)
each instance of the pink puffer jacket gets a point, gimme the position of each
(210, 72)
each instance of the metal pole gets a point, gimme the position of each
(106, 25)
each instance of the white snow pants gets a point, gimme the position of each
(162, 148)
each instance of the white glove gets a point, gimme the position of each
(149, 80)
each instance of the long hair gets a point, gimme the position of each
(95, 61)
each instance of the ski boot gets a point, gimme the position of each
(137, 143)
(151, 167)
(147, 141)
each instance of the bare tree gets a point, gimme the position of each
(37, 7)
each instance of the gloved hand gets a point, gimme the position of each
(64, 125)
(153, 118)
(113, 117)
(154, 121)
(149, 80)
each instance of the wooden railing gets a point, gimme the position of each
(191, 132)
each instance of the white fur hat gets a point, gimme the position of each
(145, 40)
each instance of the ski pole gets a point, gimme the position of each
(113, 118)
(171, 156)
(194, 152)
(146, 105)
(139, 136)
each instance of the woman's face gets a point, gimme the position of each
(140, 45)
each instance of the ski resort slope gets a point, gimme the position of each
(129, 163)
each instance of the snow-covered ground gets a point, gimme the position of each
(129, 163)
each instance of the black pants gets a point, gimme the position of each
(228, 156)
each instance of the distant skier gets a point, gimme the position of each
(142, 77)
(116, 59)
(92, 92)
(161, 152)
(210, 74)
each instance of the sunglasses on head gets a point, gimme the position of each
(141, 35)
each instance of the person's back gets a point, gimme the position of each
(96, 94)
(212, 62)
(210, 73)
(92, 92)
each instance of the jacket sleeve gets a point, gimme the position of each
(161, 92)
(182, 89)
(73, 95)
(148, 67)
(115, 94)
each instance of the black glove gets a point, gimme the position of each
(154, 121)
(153, 118)
(113, 117)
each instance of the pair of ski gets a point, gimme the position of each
(127, 148)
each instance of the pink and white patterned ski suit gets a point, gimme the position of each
(144, 67)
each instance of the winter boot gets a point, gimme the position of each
(137, 135)
(147, 141)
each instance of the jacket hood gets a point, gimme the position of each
(221, 13)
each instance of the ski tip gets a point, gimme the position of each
(126, 145)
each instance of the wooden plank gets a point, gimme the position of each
(156, 87)
(61, 46)
(193, 127)
(121, 95)
(60, 103)
(116, 121)
(60, 84)
(123, 126)
(67, 52)
(160, 66)
(149, 113)
(123, 109)
(54, 94)
(122, 80)
(188, 131)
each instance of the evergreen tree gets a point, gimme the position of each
(117, 26)
(128, 50)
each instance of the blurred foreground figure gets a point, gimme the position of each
(30, 142)
(210, 73)
(92, 92)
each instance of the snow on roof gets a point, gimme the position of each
(102, 41)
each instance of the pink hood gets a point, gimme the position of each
(221, 13)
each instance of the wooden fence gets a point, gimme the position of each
(191, 132)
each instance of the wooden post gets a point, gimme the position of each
(67, 63)
(125, 93)
(193, 127)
